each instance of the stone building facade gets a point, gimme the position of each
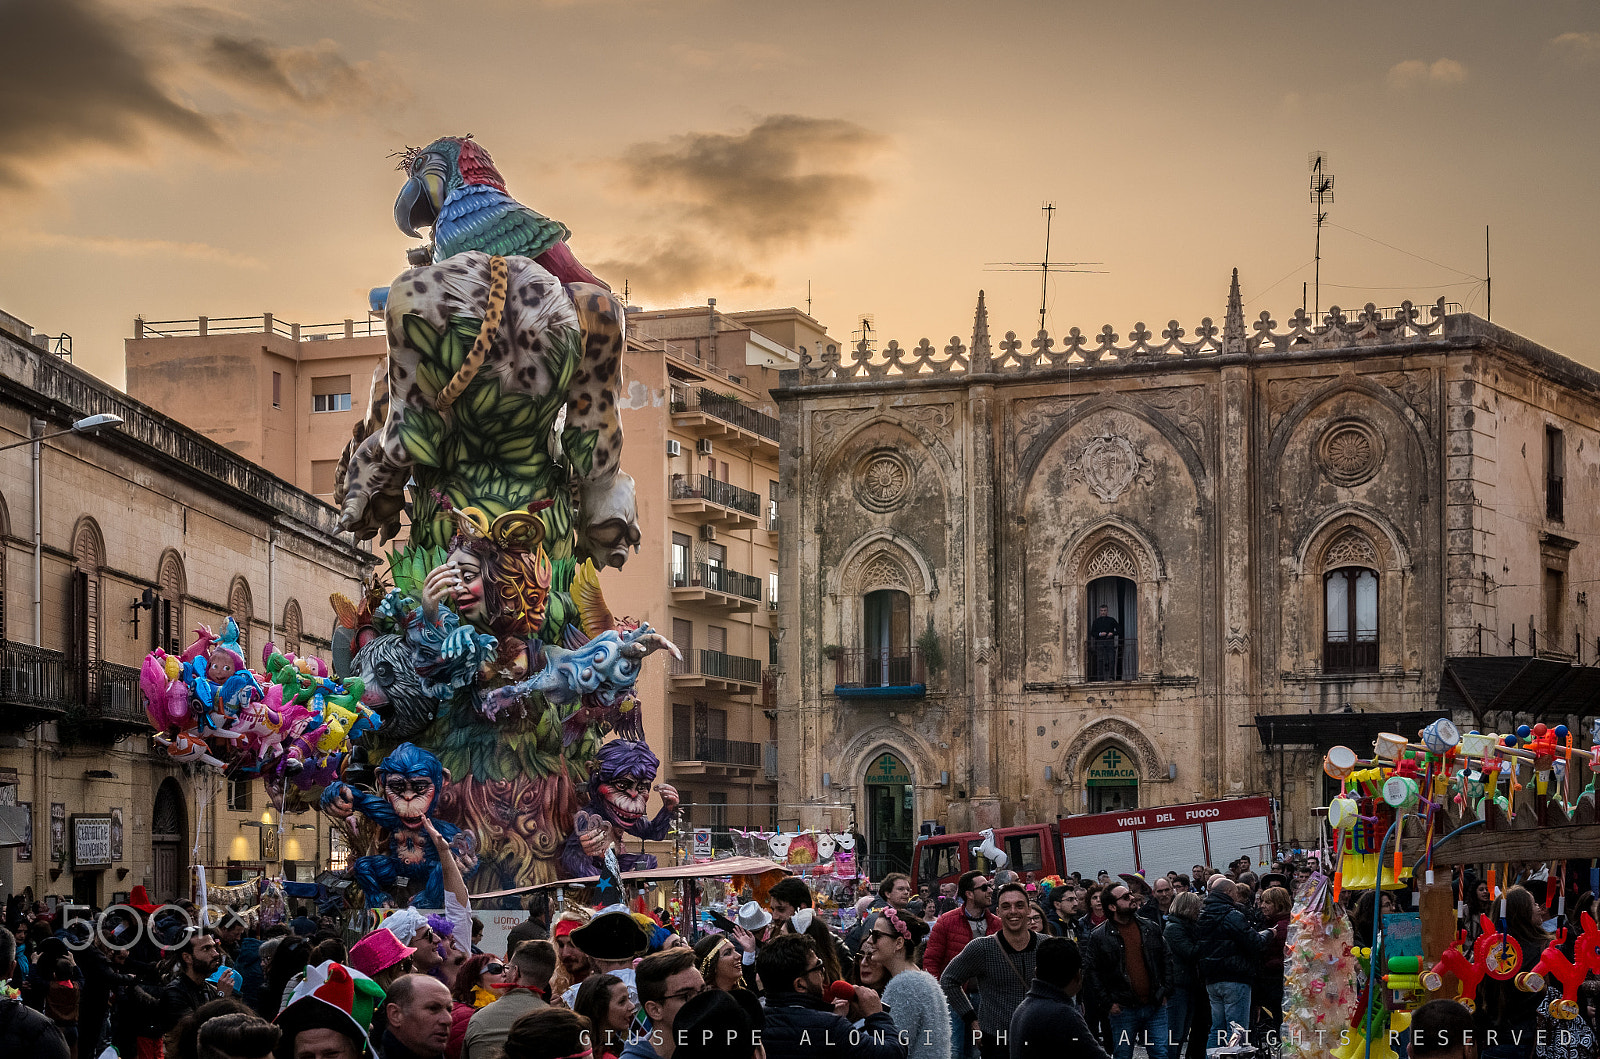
(1279, 522)
(151, 513)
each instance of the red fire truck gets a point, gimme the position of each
(1156, 841)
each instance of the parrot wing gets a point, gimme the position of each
(345, 609)
(593, 614)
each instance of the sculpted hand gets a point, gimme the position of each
(669, 796)
(343, 803)
(597, 839)
(440, 584)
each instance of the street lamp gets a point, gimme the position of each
(86, 425)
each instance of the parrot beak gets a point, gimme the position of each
(421, 198)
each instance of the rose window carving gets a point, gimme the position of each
(1350, 453)
(883, 481)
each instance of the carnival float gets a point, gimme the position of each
(481, 681)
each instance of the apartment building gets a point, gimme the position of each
(111, 544)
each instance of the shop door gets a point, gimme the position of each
(891, 815)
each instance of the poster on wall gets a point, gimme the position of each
(25, 851)
(116, 832)
(58, 831)
(91, 840)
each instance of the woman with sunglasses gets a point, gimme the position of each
(911, 995)
(473, 988)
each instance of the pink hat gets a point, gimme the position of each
(378, 951)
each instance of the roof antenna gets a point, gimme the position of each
(1045, 267)
(863, 334)
(1321, 196)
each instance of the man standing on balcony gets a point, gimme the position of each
(1105, 632)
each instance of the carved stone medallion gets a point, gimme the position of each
(1108, 465)
(1350, 452)
(883, 481)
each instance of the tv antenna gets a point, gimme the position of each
(1045, 267)
(863, 334)
(1321, 197)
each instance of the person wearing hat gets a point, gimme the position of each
(320, 1022)
(381, 956)
(611, 940)
(720, 1025)
(576, 967)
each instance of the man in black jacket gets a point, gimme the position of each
(1047, 1024)
(24, 1031)
(1230, 952)
(802, 1023)
(188, 988)
(1128, 962)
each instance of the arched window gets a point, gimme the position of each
(291, 627)
(886, 638)
(1111, 648)
(241, 609)
(88, 553)
(1350, 601)
(167, 619)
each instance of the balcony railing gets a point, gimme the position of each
(711, 490)
(729, 410)
(1554, 498)
(115, 698)
(1345, 656)
(717, 579)
(1111, 658)
(35, 678)
(865, 670)
(717, 666)
(688, 747)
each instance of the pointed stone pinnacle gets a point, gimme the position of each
(980, 335)
(1233, 336)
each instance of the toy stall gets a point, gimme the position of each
(1519, 806)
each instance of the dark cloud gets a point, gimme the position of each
(72, 78)
(308, 76)
(671, 266)
(80, 75)
(732, 201)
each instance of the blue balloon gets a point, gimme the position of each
(1523, 731)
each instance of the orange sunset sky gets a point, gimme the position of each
(231, 158)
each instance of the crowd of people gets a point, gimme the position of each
(993, 969)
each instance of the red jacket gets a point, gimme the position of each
(950, 935)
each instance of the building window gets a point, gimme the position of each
(717, 816)
(772, 590)
(239, 795)
(772, 650)
(683, 636)
(1555, 475)
(1350, 596)
(772, 504)
(330, 393)
(323, 475)
(338, 849)
(717, 638)
(277, 389)
(681, 558)
(1111, 648)
(886, 659)
(1555, 595)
